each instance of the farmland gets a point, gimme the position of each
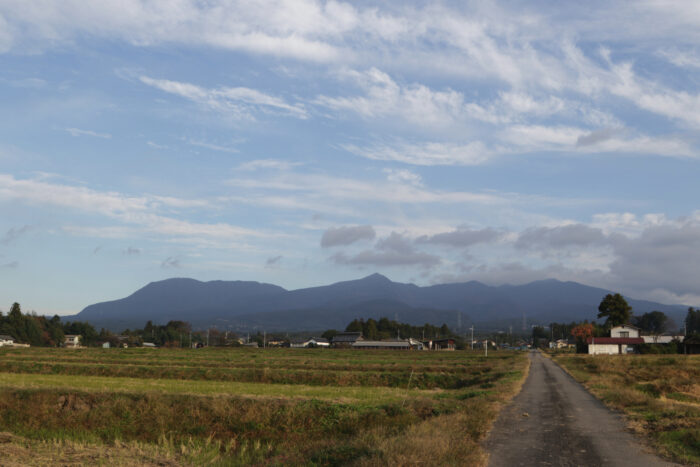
(251, 406)
(659, 394)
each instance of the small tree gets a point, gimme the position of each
(692, 321)
(615, 310)
(582, 333)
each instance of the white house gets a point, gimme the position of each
(6, 340)
(624, 330)
(72, 341)
(622, 340)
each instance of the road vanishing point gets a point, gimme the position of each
(554, 421)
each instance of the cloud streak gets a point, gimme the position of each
(241, 102)
(79, 132)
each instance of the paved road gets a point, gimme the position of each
(554, 421)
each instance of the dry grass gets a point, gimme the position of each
(659, 394)
(16, 451)
(356, 418)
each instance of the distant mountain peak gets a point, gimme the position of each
(376, 277)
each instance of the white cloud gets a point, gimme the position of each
(415, 103)
(432, 153)
(268, 164)
(79, 132)
(213, 147)
(238, 101)
(683, 59)
(341, 188)
(653, 97)
(142, 213)
(403, 176)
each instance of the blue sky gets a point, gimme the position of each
(301, 143)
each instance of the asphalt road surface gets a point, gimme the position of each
(554, 421)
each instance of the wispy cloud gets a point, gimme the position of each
(79, 132)
(143, 213)
(240, 102)
(432, 153)
(271, 164)
(213, 147)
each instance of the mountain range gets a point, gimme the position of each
(241, 305)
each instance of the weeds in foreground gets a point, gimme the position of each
(660, 395)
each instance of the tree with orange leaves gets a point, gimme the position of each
(582, 332)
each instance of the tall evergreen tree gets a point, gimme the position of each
(615, 310)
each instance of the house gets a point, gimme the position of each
(662, 339)
(562, 344)
(624, 330)
(276, 343)
(439, 344)
(408, 344)
(311, 342)
(623, 340)
(346, 339)
(72, 341)
(6, 340)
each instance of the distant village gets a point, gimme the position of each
(616, 337)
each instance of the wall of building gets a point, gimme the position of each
(603, 349)
(616, 331)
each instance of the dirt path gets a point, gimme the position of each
(554, 421)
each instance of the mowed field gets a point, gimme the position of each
(659, 394)
(251, 406)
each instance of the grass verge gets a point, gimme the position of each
(659, 394)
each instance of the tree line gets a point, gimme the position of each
(40, 331)
(384, 328)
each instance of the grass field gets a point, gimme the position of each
(250, 406)
(660, 395)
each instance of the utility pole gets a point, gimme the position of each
(472, 328)
(486, 347)
(264, 338)
(207, 337)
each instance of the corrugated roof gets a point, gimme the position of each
(347, 337)
(381, 344)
